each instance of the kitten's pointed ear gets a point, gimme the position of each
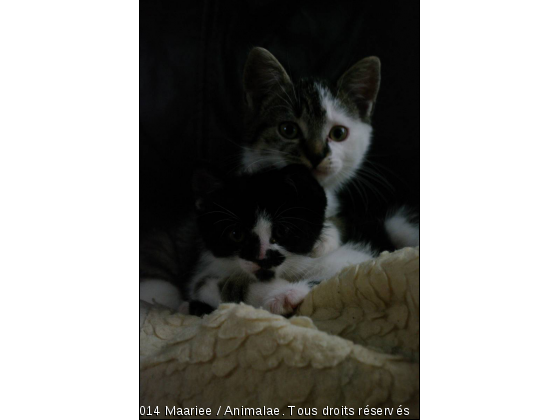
(360, 85)
(262, 75)
(204, 182)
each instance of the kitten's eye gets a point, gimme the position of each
(280, 232)
(236, 235)
(338, 133)
(288, 130)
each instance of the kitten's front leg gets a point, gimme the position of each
(210, 291)
(278, 296)
(234, 288)
(204, 296)
(328, 242)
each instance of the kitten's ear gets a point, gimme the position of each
(204, 182)
(360, 85)
(262, 75)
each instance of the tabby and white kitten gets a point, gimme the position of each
(256, 233)
(326, 129)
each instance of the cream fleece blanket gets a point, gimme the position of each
(352, 348)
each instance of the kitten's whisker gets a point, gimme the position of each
(377, 178)
(371, 187)
(287, 224)
(262, 159)
(233, 142)
(297, 208)
(220, 212)
(228, 211)
(277, 210)
(360, 192)
(280, 107)
(299, 218)
(372, 171)
(273, 151)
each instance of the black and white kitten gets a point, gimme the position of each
(326, 128)
(251, 225)
(258, 232)
(255, 234)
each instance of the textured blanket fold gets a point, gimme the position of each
(353, 347)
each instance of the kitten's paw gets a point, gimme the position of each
(285, 301)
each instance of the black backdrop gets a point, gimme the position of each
(191, 60)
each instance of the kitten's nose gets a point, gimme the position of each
(317, 156)
(273, 259)
(315, 160)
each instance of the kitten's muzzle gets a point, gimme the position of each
(266, 265)
(273, 259)
(317, 154)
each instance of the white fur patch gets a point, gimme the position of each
(328, 241)
(346, 156)
(210, 292)
(248, 266)
(333, 205)
(263, 229)
(303, 267)
(401, 230)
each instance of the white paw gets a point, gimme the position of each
(286, 301)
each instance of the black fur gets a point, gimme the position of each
(199, 308)
(290, 196)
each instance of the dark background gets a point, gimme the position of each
(191, 61)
